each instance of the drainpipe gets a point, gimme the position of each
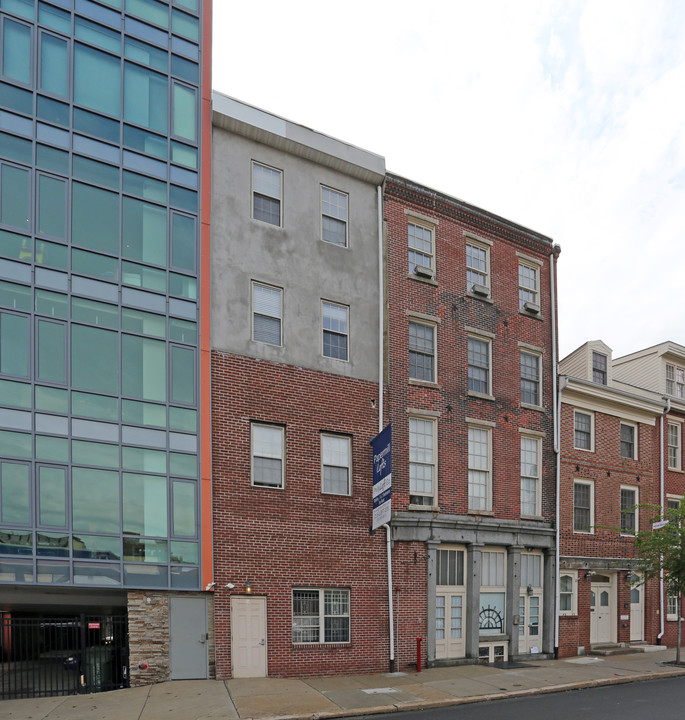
(381, 299)
(661, 502)
(557, 450)
(556, 396)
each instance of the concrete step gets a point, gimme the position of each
(610, 649)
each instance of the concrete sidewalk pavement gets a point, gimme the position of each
(330, 697)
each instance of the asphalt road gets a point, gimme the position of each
(650, 700)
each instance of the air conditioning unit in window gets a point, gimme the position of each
(478, 289)
(531, 307)
(423, 271)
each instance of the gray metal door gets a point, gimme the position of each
(188, 638)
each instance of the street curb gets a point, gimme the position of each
(489, 697)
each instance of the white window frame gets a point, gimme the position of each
(671, 606)
(262, 452)
(434, 360)
(675, 381)
(425, 228)
(604, 371)
(418, 458)
(536, 478)
(573, 593)
(496, 556)
(279, 317)
(526, 292)
(591, 528)
(636, 520)
(591, 415)
(258, 192)
(338, 213)
(344, 460)
(674, 450)
(321, 625)
(482, 465)
(634, 428)
(673, 501)
(335, 332)
(536, 381)
(483, 273)
(488, 368)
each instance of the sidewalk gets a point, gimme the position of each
(330, 697)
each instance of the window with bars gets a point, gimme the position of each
(530, 378)
(333, 216)
(480, 478)
(674, 452)
(422, 455)
(582, 430)
(479, 365)
(335, 330)
(627, 441)
(335, 462)
(420, 240)
(628, 511)
(321, 616)
(582, 507)
(530, 476)
(266, 194)
(599, 368)
(267, 308)
(421, 351)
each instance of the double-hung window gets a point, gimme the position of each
(422, 461)
(567, 593)
(420, 239)
(530, 476)
(674, 450)
(599, 368)
(480, 474)
(335, 464)
(267, 191)
(582, 430)
(321, 616)
(479, 365)
(628, 435)
(583, 506)
(529, 287)
(477, 268)
(628, 510)
(267, 455)
(530, 379)
(675, 381)
(335, 320)
(421, 351)
(267, 311)
(333, 216)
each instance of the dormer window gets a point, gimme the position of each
(599, 368)
(675, 381)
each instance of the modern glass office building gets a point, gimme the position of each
(101, 307)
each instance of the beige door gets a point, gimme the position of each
(248, 636)
(449, 625)
(637, 622)
(601, 610)
(530, 623)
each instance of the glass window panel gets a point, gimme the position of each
(143, 322)
(144, 460)
(99, 266)
(95, 500)
(52, 206)
(95, 218)
(147, 576)
(52, 399)
(146, 98)
(184, 552)
(53, 18)
(98, 407)
(184, 113)
(25, 8)
(97, 35)
(15, 246)
(17, 542)
(96, 172)
(182, 375)
(145, 232)
(50, 158)
(185, 69)
(143, 366)
(184, 518)
(182, 419)
(98, 547)
(145, 142)
(183, 330)
(139, 413)
(183, 250)
(186, 25)
(145, 505)
(95, 313)
(92, 453)
(52, 111)
(16, 99)
(14, 196)
(141, 276)
(14, 344)
(184, 155)
(52, 449)
(155, 551)
(17, 297)
(183, 464)
(52, 365)
(97, 80)
(94, 359)
(145, 187)
(96, 574)
(183, 286)
(13, 147)
(190, 4)
(16, 51)
(184, 199)
(14, 494)
(15, 394)
(150, 10)
(54, 64)
(52, 255)
(146, 54)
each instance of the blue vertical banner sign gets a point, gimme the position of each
(382, 477)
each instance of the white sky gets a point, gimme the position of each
(565, 116)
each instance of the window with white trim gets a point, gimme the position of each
(335, 330)
(673, 502)
(335, 464)
(599, 368)
(674, 450)
(479, 365)
(449, 567)
(420, 241)
(582, 430)
(480, 474)
(492, 593)
(628, 510)
(267, 455)
(421, 351)
(530, 476)
(628, 433)
(675, 381)
(671, 607)
(528, 285)
(568, 583)
(422, 461)
(477, 266)
(267, 311)
(321, 615)
(333, 216)
(267, 191)
(583, 506)
(530, 379)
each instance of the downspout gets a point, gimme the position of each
(661, 502)
(381, 300)
(556, 395)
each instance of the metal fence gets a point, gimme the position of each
(44, 656)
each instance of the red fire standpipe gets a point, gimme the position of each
(418, 654)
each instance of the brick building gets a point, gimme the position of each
(300, 584)
(471, 355)
(609, 464)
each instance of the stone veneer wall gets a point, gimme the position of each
(148, 627)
